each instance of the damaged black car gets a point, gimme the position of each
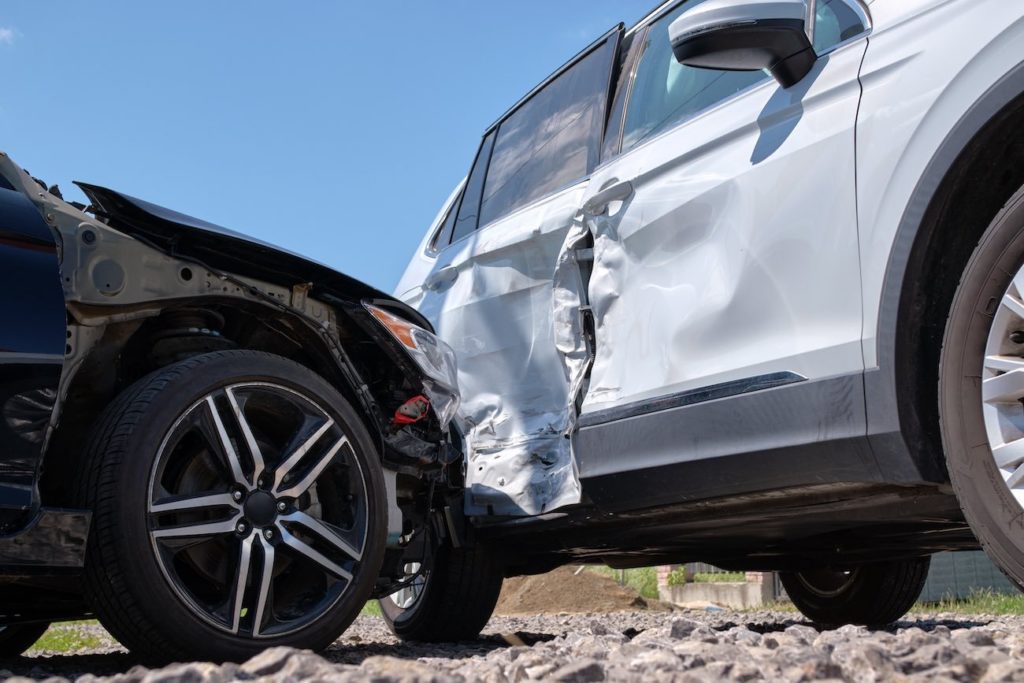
(212, 445)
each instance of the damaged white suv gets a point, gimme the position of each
(743, 284)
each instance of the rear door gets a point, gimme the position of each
(489, 293)
(726, 251)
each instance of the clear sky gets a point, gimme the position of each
(335, 129)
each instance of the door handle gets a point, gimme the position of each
(598, 204)
(441, 278)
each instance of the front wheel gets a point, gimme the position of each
(238, 504)
(869, 595)
(981, 390)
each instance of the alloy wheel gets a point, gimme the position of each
(257, 509)
(1002, 387)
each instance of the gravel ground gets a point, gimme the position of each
(621, 646)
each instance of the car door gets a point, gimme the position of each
(725, 253)
(489, 291)
(32, 340)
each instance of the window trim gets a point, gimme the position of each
(857, 5)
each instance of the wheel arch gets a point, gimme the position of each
(124, 352)
(978, 166)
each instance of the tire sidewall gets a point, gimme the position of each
(143, 572)
(988, 505)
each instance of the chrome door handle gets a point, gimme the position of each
(598, 204)
(441, 278)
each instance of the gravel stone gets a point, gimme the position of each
(685, 646)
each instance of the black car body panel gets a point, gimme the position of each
(32, 341)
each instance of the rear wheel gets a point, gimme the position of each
(870, 595)
(238, 504)
(981, 390)
(452, 600)
(17, 638)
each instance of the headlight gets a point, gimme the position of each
(435, 358)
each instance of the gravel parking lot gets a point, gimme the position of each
(686, 645)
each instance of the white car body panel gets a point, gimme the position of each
(928, 62)
(518, 388)
(737, 255)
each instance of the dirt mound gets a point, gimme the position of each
(569, 589)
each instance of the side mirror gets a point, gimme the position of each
(747, 35)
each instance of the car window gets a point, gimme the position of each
(666, 92)
(469, 208)
(551, 139)
(444, 232)
(835, 21)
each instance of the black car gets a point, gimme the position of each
(204, 439)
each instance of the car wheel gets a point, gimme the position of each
(981, 389)
(16, 638)
(449, 602)
(238, 504)
(870, 595)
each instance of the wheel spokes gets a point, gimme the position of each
(203, 501)
(323, 531)
(299, 453)
(266, 574)
(200, 530)
(227, 448)
(1005, 388)
(301, 486)
(241, 579)
(250, 440)
(312, 554)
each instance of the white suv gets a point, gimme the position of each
(743, 284)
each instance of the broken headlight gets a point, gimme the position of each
(435, 358)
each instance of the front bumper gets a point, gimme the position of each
(54, 541)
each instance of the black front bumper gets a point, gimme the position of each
(53, 543)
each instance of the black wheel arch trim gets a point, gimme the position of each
(886, 412)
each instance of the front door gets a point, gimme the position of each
(726, 254)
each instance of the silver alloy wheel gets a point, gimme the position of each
(1002, 387)
(827, 583)
(257, 509)
(406, 597)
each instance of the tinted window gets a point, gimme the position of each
(552, 139)
(834, 22)
(665, 92)
(470, 206)
(444, 233)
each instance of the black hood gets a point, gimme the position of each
(220, 248)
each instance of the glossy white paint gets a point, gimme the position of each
(517, 386)
(754, 238)
(928, 62)
(737, 254)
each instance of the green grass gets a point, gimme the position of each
(982, 602)
(643, 580)
(720, 577)
(65, 637)
(371, 609)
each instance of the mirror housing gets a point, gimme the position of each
(747, 35)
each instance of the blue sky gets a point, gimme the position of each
(335, 129)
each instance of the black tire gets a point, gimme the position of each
(458, 597)
(870, 595)
(988, 505)
(17, 638)
(127, 582)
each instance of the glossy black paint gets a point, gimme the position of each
(32, 339)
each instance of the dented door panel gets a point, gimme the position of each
(734, 252)
(497, 312)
